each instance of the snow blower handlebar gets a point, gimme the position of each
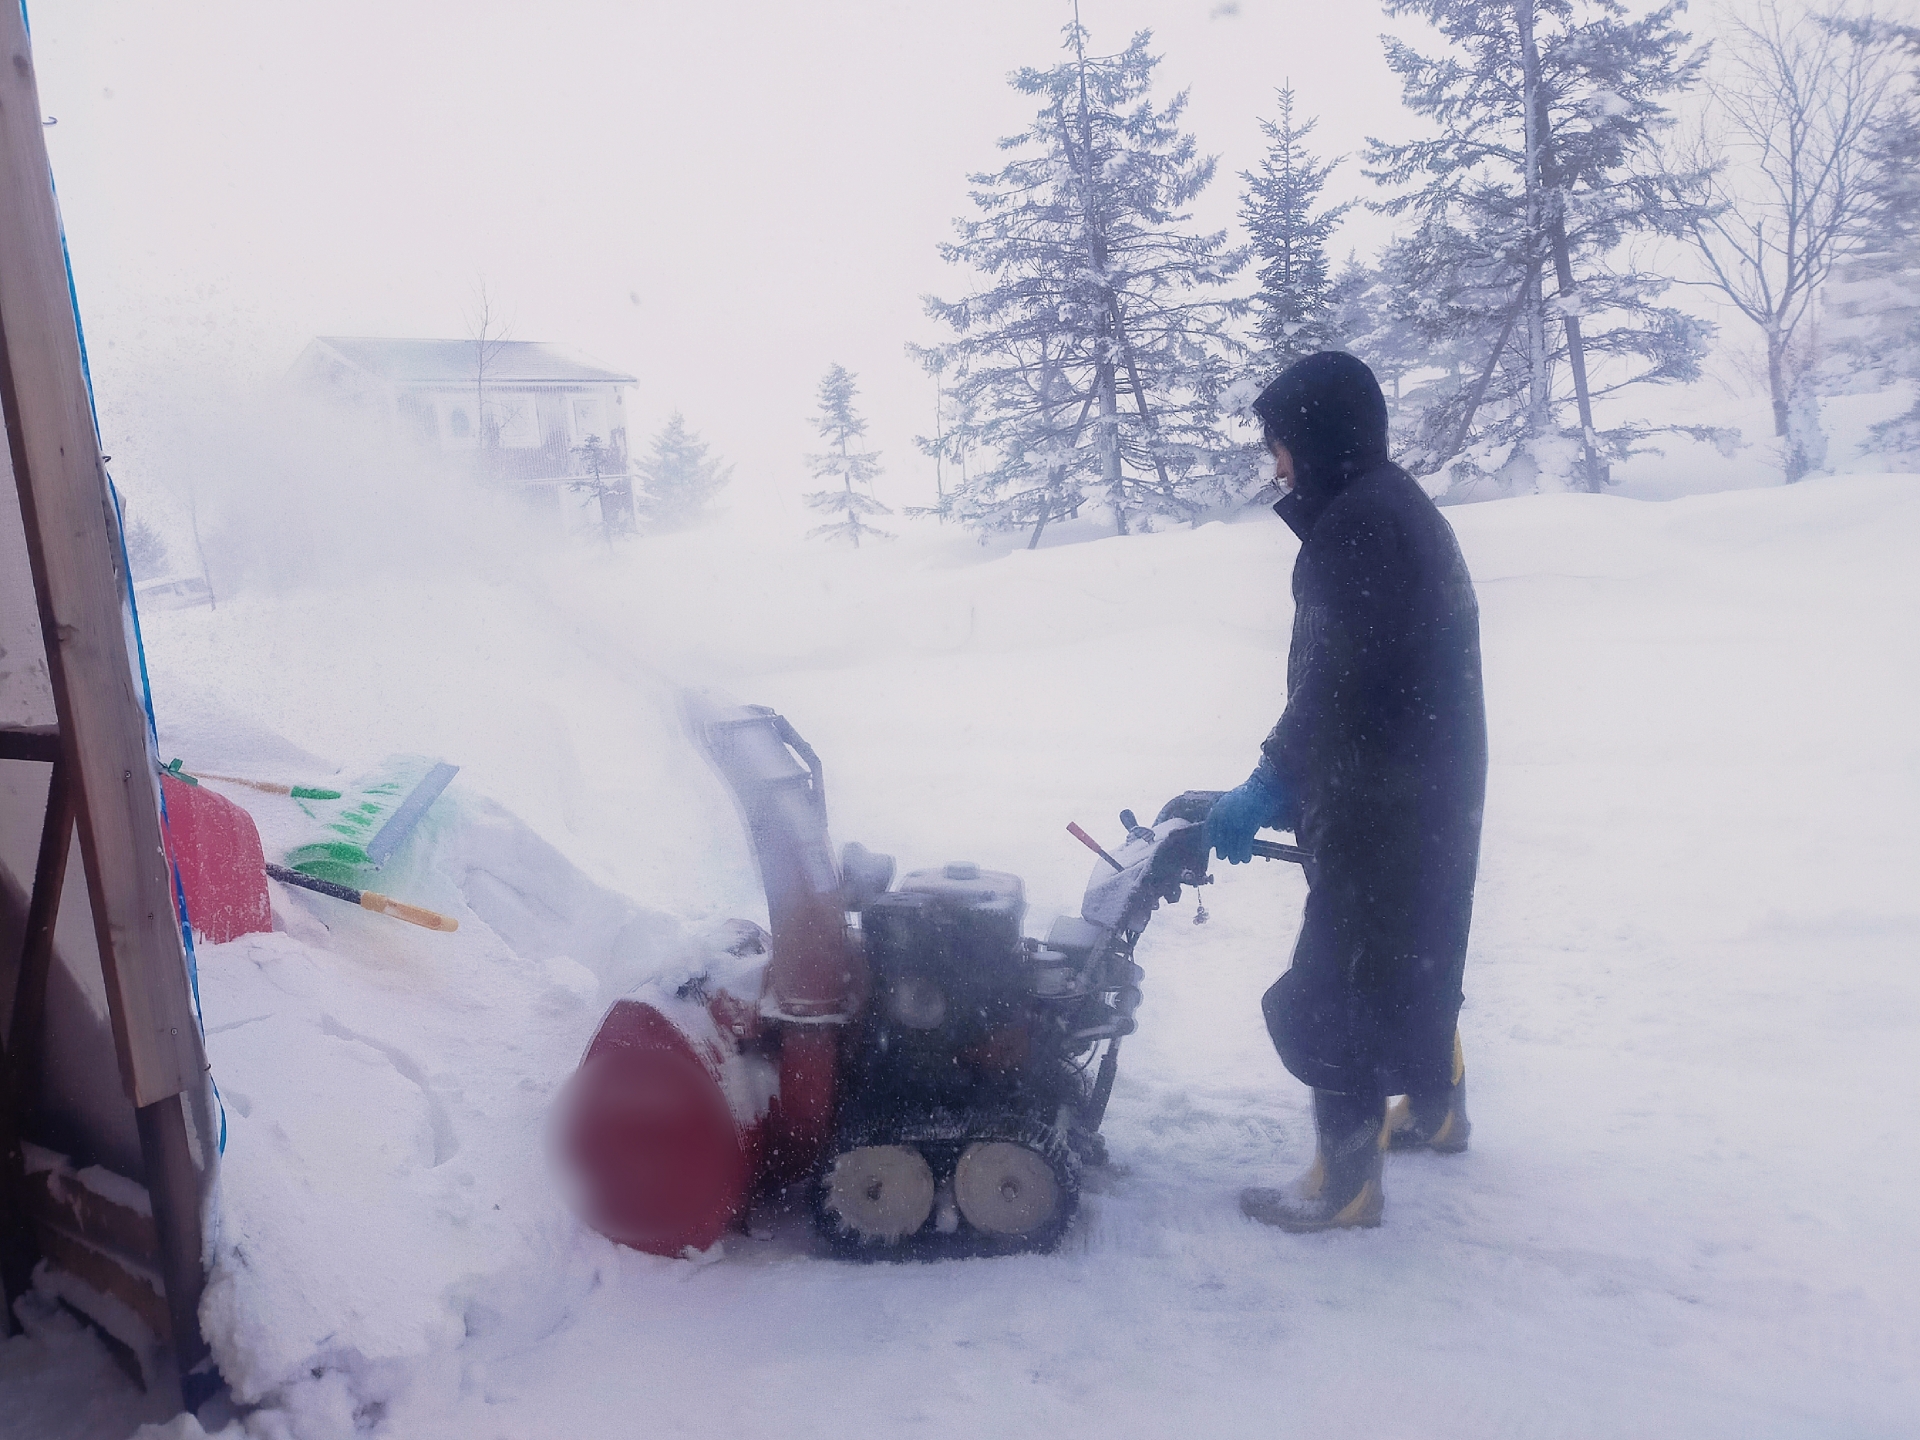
(1194, 807)
(1176, 854)
(1273, 850)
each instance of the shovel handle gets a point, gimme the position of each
(271, 787)
(366, 899)
(400, 910)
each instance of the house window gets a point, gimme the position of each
(587, 418)
(458, 426)
(418, 417)
(513, 419)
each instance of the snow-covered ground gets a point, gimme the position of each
(1692, 998)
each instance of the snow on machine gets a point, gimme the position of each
(935, 1077)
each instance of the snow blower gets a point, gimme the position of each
(936, 1079)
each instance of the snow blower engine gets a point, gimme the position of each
(936, 1078)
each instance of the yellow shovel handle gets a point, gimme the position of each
(412, 914)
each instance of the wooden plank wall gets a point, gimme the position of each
(72, 540)
(74, 544)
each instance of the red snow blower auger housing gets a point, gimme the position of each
(935, 1077)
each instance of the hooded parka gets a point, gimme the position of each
(1382, 747)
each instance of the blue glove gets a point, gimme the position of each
(1239, 814)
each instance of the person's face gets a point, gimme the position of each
(1282, 464)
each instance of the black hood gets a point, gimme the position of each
(1329, 412)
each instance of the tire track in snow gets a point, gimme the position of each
(446, 1144)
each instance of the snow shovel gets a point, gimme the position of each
(368, 824)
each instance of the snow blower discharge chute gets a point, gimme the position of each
(934, 1077)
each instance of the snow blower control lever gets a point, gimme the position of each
(1094, 845)
(1265, 849)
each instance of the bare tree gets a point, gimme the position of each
(1778, 181)
(488, 334)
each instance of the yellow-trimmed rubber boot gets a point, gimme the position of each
(1433, 1122)
(1342, 1188)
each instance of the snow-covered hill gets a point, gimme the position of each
(1691, 999)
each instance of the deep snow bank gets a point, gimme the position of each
(1690, 994)
(385, 1097)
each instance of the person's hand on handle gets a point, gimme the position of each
(1240, 814)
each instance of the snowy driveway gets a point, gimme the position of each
(1692, 997)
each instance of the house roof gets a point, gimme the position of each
(431, 362)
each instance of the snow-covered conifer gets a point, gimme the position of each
(840, 425)
(1515, 267)
(1360, 314)
(1089, 365)
(1294, 308)
(679, 480)
(146, 550)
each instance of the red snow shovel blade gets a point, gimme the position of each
(222, 868)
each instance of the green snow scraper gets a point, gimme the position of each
(369, 821)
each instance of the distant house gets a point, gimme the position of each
(521, 409)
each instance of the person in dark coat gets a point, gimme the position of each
(1379, 767)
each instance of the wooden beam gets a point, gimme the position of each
(18, 1251)
(56, 1197)
(176, 1223)
(107, 1273)
(29, 742)
(73, 543)
(75, 551)
(26, 1032)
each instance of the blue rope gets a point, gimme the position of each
(153, 755)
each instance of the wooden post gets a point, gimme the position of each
(17, 1251)
(71, 540)
(27, 1029)
(176, 1221)
(73, 544)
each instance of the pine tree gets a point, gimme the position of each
(1522, 203)
(840, 425)
(1436, 309)
(146, 550)
(1094, 356)
(679, 481)
(1360, 314)
(1294, 306)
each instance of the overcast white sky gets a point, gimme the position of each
(722, 198)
